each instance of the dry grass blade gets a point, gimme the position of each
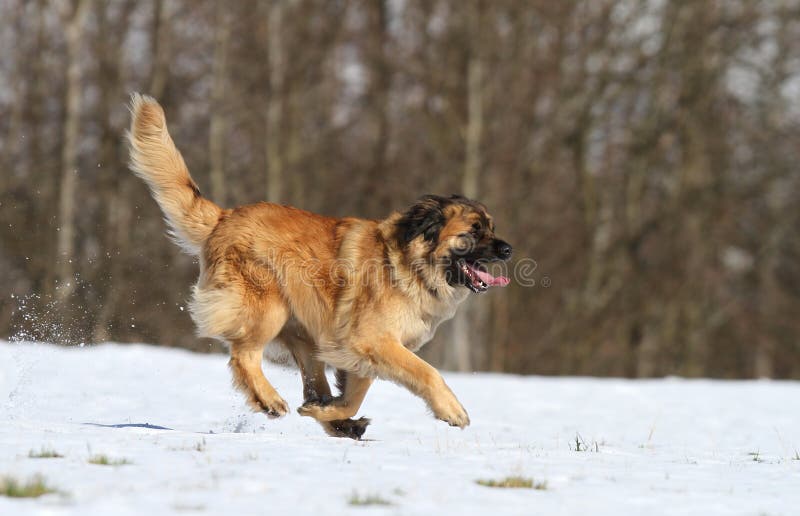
(513, 482)
(33, 488)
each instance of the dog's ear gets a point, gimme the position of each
(425, 217)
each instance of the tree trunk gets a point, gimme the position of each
(39, 164)
(216, 143)
(501, 319)
(469, 322)
(108, 270)
(275, 108)
(374, 196)
(160, 48)
(65, 251)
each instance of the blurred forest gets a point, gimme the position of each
(644, 153)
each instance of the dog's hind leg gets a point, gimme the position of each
(246, 358)
(300, 345)
(248, 377)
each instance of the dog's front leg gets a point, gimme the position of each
(393, 361)
(353, 389)
(334, 413)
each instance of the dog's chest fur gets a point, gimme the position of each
(420, 326)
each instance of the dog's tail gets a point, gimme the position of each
(154, 158)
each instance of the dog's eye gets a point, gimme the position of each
(477, 227)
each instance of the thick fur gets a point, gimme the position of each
(154, 158)
(358, 295)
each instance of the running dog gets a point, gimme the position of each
(358, 295)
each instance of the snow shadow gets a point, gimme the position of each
(131, 425)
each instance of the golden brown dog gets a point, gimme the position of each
(358, 295)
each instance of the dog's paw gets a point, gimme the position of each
(274, 408)
(321, 412)
(451, 412)
(310, 408)
(350, 428)
(460, 420)
(331, 411)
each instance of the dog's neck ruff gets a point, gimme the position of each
(416, 281)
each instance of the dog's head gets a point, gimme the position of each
(454, 237)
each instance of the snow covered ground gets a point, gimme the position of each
(654, 447)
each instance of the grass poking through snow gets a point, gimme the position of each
(44, 453)
(370, 499)
(103, 460)
(514, 482)
(33, 488)
(582, 446)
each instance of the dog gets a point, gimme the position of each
(358, 295)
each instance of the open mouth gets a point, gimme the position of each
(478, 279)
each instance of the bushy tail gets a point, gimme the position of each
(154, 158)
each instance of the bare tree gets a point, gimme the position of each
(73, 15)
(642, 154)
(218, 126)
(469, 322)
(275, 104)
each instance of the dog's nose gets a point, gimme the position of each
(504, 250)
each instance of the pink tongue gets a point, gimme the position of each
(499, 281)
